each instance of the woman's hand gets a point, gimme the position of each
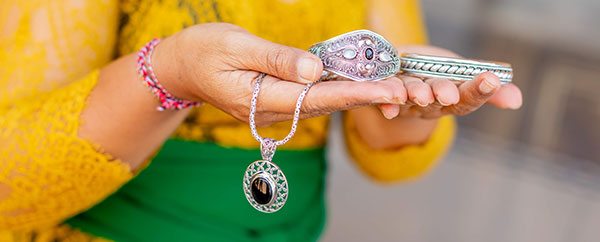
(436, 97)
(217, 64)
(412, 121)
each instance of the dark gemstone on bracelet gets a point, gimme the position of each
(369, 53)
(262, 192)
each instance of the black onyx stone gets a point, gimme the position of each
(369, 53)
(261, 189)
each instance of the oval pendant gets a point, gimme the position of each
(265, 186)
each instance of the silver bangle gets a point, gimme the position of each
(363, 55)
(360, 55)
(452, 68)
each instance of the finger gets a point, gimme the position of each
(418, 92)
(343, 95)
(475, 93)
(389, 111)
(445, 92)
(509, 96)
(398, 91)
(281, 61)
(326, 97)
(392, 109)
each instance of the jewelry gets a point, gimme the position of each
(453, 68)
(146, 72)
(363, 55)
(360, 55)
(265, 185)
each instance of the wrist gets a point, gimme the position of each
(166, 62)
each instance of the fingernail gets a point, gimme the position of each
(416, 100)
(487, 86)
(307, 68)
(441, 102)
(391, 112)
(399, 100)
(381, 100)
(515, 106)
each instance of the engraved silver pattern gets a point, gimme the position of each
(363, 55)
(452, 68)
(360, 55)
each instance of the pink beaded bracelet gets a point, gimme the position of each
(144, 68)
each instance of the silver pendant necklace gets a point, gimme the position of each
(265, 185)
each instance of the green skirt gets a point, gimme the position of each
(193, 192)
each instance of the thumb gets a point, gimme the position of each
(286, 63)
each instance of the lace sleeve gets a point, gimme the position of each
(399, 164)
(48, 173)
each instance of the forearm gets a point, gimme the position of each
(121, 116)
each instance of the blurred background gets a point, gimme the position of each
(527, 175)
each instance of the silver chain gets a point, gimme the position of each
(252, 122)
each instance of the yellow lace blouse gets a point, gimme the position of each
(49, 54)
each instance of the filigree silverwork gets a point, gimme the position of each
(264, 183)
(360, 55)
(363, 55)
